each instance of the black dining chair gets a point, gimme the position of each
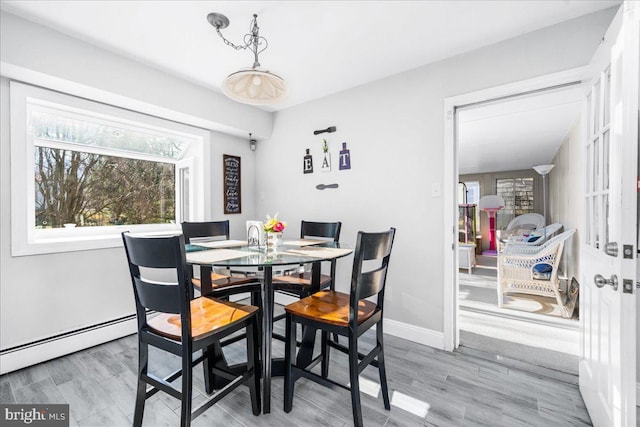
(183, 326)
(298, 282)
(349, 315)
(224, 284)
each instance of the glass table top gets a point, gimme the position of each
(257, 257)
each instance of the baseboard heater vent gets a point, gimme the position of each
(44, 349)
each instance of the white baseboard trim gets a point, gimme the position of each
(393, 327)
(414, 333)
(47, 350)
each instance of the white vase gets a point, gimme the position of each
(273, 241)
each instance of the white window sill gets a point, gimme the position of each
(82, 239)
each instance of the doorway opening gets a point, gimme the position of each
(498, 139)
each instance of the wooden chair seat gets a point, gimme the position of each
(208, 316)
(299, 283)
(330, 307)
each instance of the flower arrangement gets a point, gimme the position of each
(274, 225)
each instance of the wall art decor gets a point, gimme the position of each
(326, 160)
(232, 184)
(307, 163)
(323, 186)
(345, 157)
(330, 129)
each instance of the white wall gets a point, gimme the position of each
(45, 295)
(395, 130)
(565, 188)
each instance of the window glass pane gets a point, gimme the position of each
(605, 206)
(596, 108)
(473, 192)
(60, 127)
(589, 170)
(596, 222)
(85, 189)
(461, 193)
(588, 209)
(597, 181)
(589, 115)
(184, 191)
(605, 159)
(607, 93)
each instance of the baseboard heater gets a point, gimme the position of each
(44, 349)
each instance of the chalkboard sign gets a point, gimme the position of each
(232, 197)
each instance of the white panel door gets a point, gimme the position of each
(608, 241)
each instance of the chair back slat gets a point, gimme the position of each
(159, 297)
(158, 256)
(375, 245)
(213, 229)
(328, 230)
(156, 252)
(371, 282)
(371, 249)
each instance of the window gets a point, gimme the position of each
(83, 172)
(473, 197)
(518, 199)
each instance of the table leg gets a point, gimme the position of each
(267, 330)
(206, 287)
(305, 353)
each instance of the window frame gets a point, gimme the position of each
(27, 240)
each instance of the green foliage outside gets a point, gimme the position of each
(96, 190)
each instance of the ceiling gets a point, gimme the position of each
(318, 47)
(518, 133)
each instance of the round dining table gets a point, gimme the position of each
(237, 255)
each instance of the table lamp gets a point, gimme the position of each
(491, 204)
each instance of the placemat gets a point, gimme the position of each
(214, 255)
(303, 242)
(221, 243)
(320, 252)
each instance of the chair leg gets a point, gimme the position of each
(324, 349)
(143, 363)
(207, 363)
(187, 375)
(355, 381)
(289, 357)
(256, 301)
(252, 364)
(381, 367)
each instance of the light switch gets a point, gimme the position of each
(435, 189)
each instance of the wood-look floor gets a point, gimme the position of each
(428, 387)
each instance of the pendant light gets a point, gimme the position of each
(252, 85)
